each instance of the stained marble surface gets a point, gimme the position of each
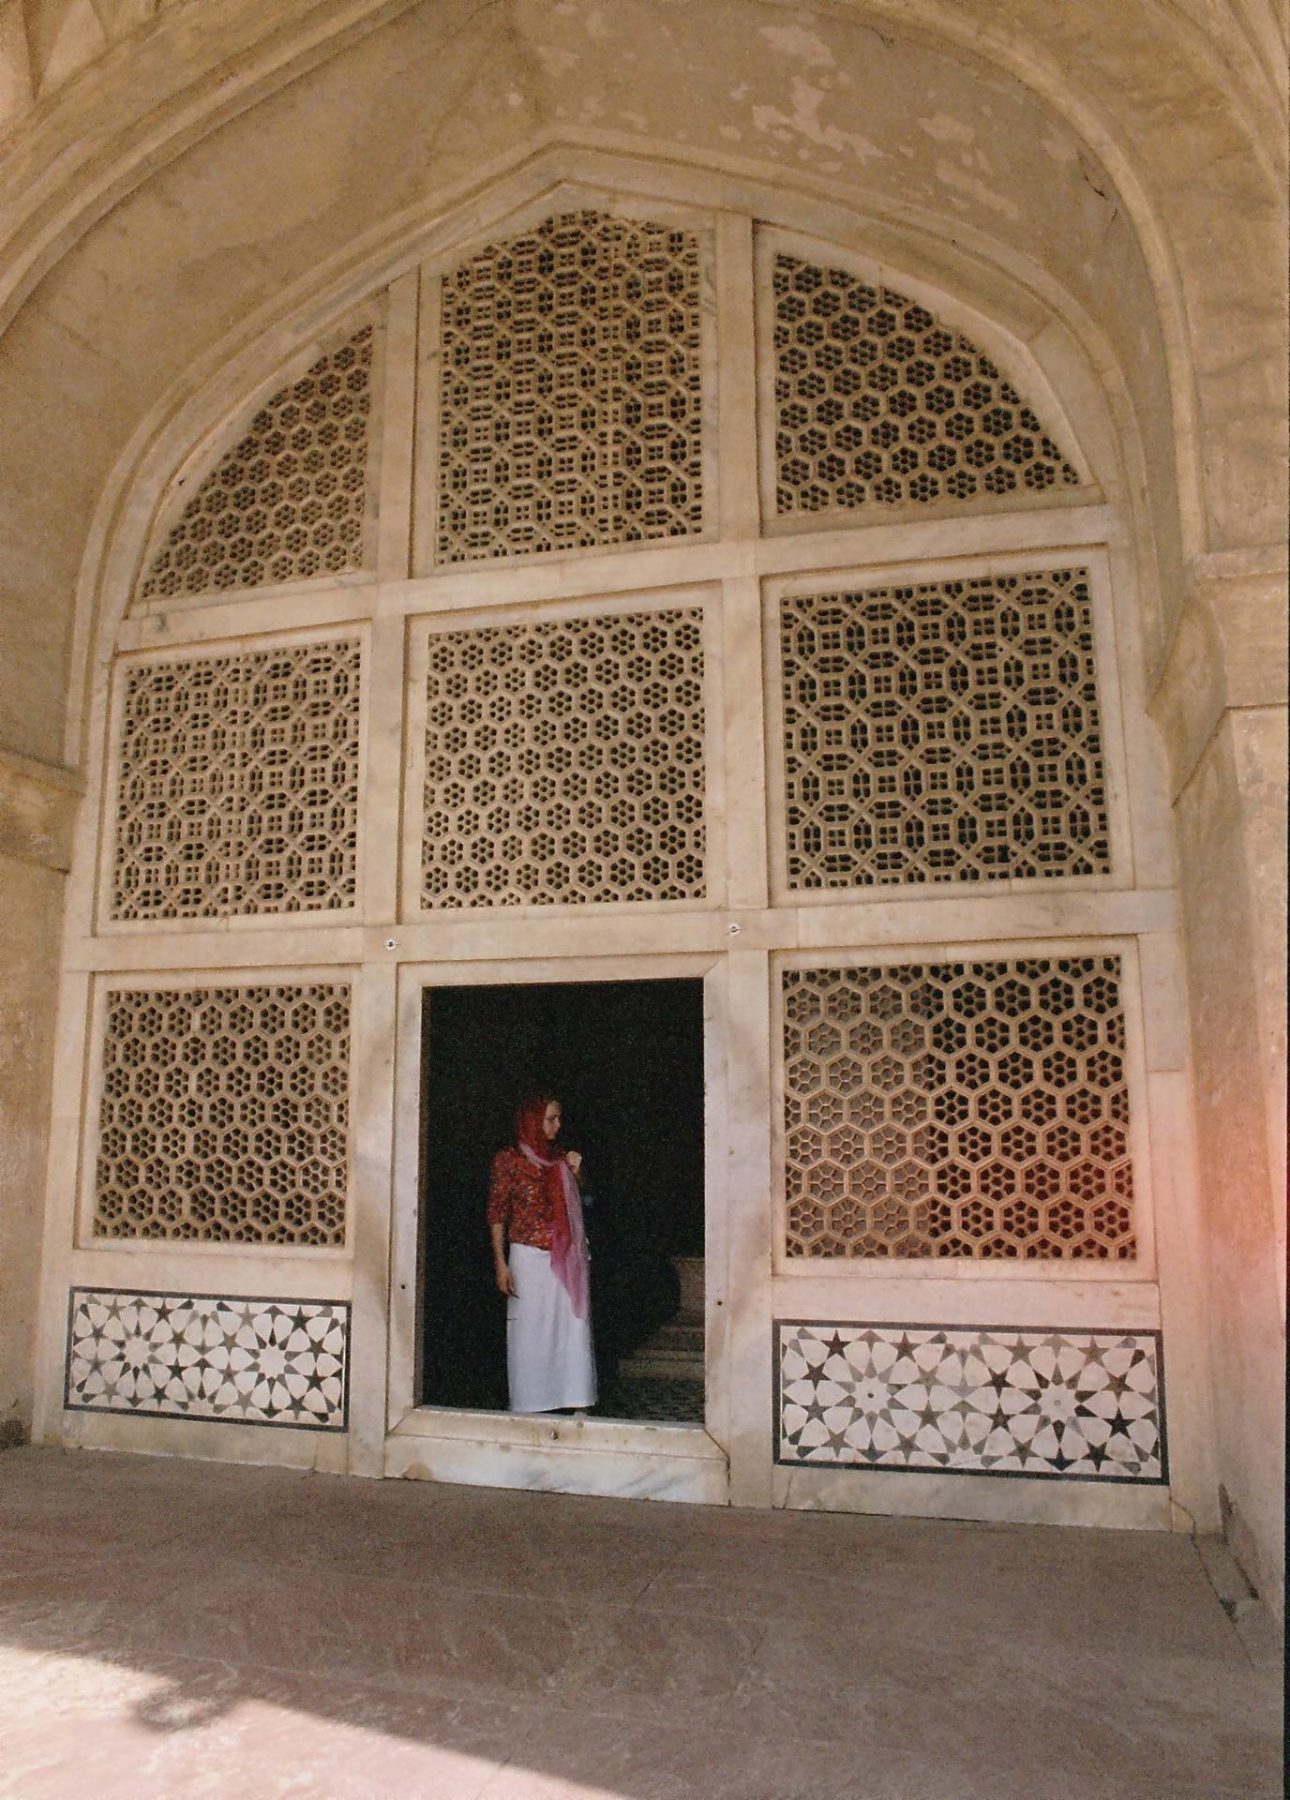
(180, 1631)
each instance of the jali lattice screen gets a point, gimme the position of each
(948, 732)
(565, 763)
(289, 500)
(570, 402)
(237, 789)
(877, 402)
(224, 1115)
(958, 1109)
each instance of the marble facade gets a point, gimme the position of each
(1096, 484)
(523, 669)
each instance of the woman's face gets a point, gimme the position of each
(551, 1121)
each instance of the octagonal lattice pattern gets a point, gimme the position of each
(224, 1115)
(571, 390)
(565, 763)
(948, 732)
(958, 1109)
(878, 403)
(290, 500)
(237, 789)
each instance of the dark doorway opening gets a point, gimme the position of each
(626, 1060)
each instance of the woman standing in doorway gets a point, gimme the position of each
(535, 1201)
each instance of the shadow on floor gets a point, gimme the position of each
(171, 1629)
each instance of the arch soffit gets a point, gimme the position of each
(1054, 353)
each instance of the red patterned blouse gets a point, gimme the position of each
(516, 1200)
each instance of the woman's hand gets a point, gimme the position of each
(574, 1160)
(505, 1282)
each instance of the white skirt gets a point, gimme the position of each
(549, 1360)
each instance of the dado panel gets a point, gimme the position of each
(211, 1357)
(1054, 1404)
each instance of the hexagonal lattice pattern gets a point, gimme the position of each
(289, 500)
(571, 397)
(565, 763)
(224, 1115)
(877, 402)
(958, 1109)
(237, 789)
(943, 733)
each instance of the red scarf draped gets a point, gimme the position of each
(569, 1258)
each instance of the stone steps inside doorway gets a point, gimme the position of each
(675, 1351)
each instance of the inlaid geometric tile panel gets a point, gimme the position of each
(958, 1109)
(878, 403)
(290, 499)
(1082, 1405)
(209, 1356)
(565, 763)
(237, 789)
(224, 1115)
(948, 732)
(571, 391)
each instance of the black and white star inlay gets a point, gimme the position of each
(1079, 1404)
(209, 1356)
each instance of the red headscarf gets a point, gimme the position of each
(564, 1203)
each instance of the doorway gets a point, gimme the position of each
(626, 1059)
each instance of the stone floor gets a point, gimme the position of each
(652, 1397)
(171, 1630)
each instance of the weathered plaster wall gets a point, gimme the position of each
(36, 808)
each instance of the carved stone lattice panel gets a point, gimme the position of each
(289, 501)
(947, 732)
(879, 403)
(237, 789)
(958, 1109)
(210, 1357)
(1074, 1404)
(224, 1115)
(571, 390)
(565, 763)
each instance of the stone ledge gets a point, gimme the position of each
(1228, 651)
